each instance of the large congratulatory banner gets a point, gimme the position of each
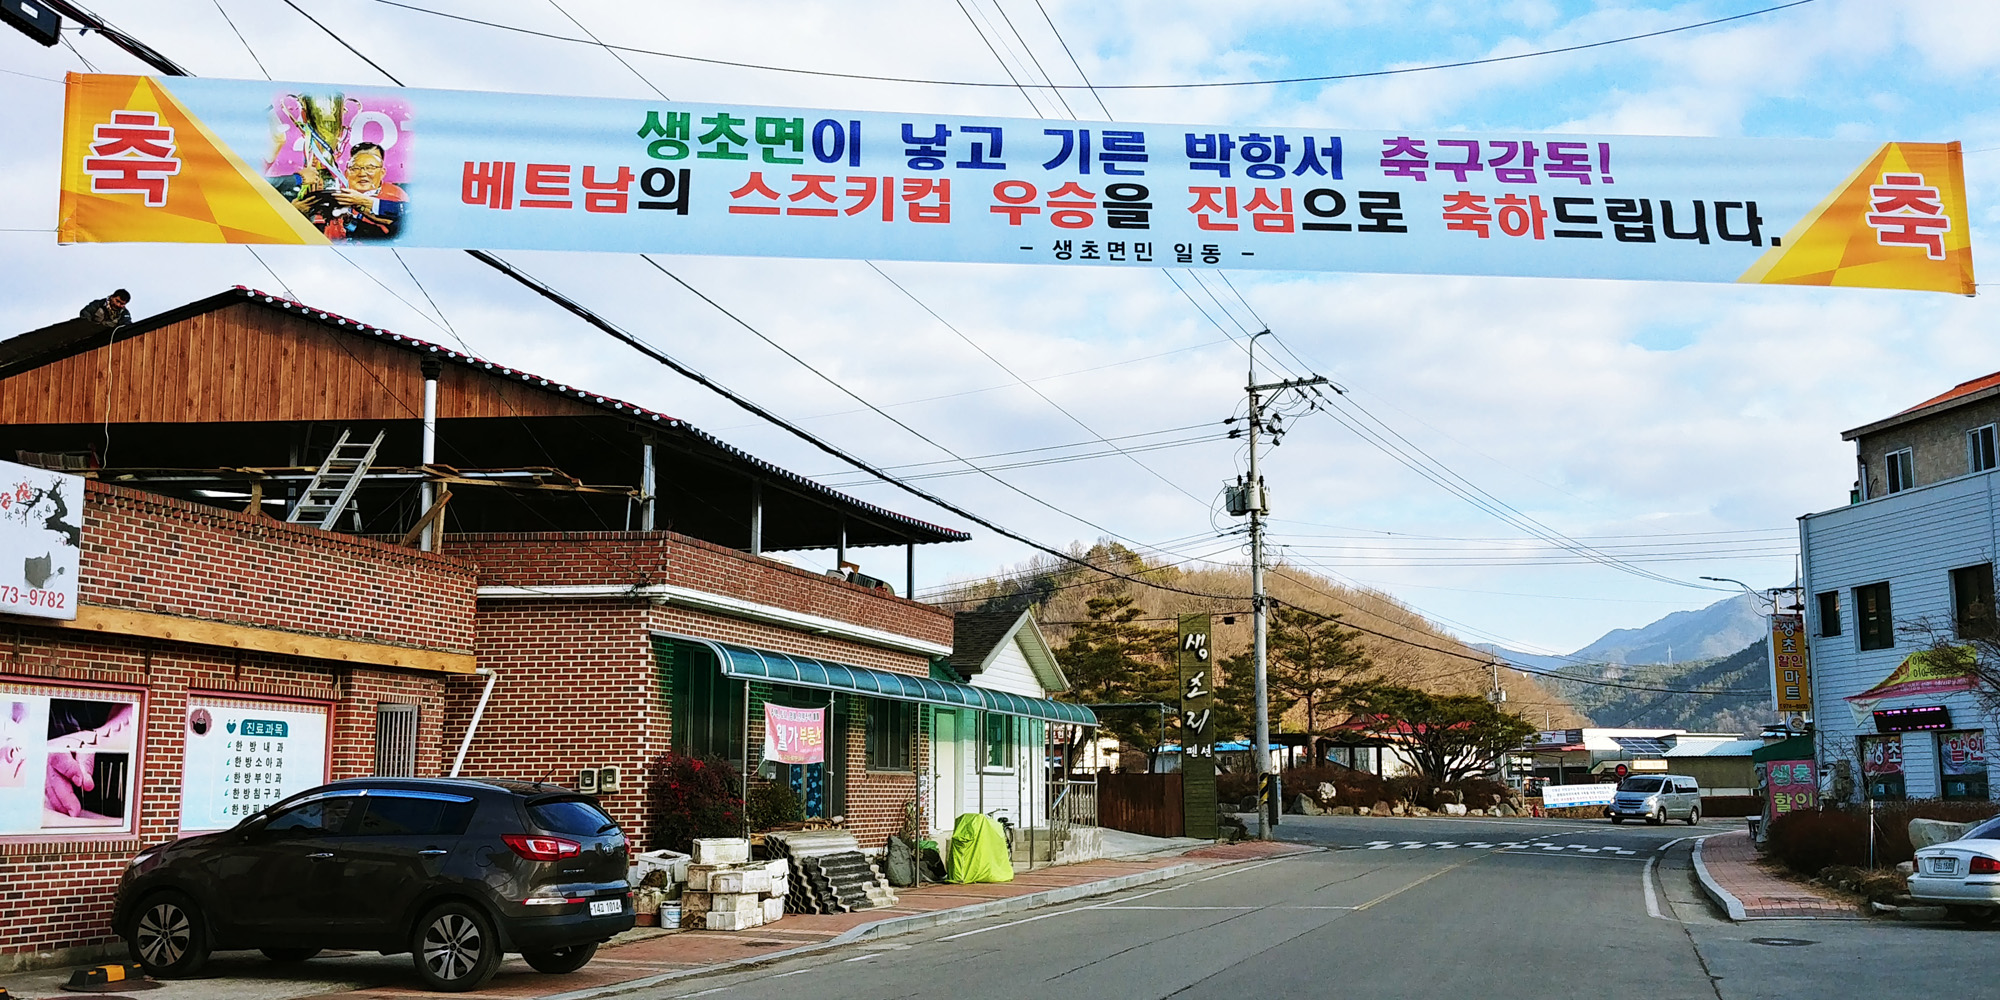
(178, 160)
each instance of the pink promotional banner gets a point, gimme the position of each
(794, 735)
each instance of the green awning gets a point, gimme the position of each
(745, 663)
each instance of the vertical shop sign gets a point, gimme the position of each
(1791, 671)
(1197, 672)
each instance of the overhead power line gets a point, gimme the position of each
(1015, 84)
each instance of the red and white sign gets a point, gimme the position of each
(794, 735)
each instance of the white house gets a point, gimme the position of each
(1907, 564)
(987, 762)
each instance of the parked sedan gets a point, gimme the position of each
(454, 872)
(1963, 875)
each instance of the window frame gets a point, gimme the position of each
(891, 729)
(1006, 745)
(1898, 476)
(1829, 624)
(1960, 626)
(1868, 633)
(1981, 453)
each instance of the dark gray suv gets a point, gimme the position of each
(456, 872)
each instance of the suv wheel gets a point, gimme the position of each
(1658, 817)
(169, 937)
(1694, 815)
(454, 948)
(561, 961)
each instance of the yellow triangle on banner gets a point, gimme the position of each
(1838, 244)
(215, 197)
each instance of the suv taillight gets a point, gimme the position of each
(541, 848)
(1984, 866)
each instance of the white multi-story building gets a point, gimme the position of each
(1906, 566)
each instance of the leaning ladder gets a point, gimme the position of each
(332, 487)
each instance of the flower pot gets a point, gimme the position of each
(646, 919)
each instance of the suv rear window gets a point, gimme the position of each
(575, 817)
(1639, 785)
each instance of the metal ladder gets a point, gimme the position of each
(332, 488)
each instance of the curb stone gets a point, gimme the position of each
(914, 922)
(1731, 906)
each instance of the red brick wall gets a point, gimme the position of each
(58, 893)
(152, 553)
(630, 558)
(167, 556)
(575, 690)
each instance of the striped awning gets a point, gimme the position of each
(745, 663)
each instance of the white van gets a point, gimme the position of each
(1657, 798)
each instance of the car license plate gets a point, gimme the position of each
(1939, 866)
(606, 907)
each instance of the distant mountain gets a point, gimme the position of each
(1533, 661)
(1718, 630)
(1717, 648)
(1746, 671)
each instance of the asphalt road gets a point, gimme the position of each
(1399, 908)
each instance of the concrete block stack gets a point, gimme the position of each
(831, 874)
(726, 891)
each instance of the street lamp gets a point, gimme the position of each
(1758, 594)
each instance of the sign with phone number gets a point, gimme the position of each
(41, 541)
(149, 159)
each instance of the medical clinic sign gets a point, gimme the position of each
(179, 160)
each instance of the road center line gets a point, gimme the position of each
(1391, 894)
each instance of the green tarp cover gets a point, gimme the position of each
(978, 851)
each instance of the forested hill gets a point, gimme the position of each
(1060, 592)
(1747, 669)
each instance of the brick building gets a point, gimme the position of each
(195, 618)
(591, 572)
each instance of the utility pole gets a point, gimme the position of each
(1248, 497)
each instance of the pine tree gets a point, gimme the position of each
(1316, 665)
(1112, 658)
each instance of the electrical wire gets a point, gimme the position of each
(1198, 85)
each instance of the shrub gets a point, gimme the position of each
(1232, 787)
(1809, 841)
(773, 804)
(693, 797)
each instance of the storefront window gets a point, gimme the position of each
(1882, 766)
(68, 757)
(242, 756)
(1962, 764)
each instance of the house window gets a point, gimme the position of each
(1871, 616)
(1962, 764)
(1829, 613)
(1979, 455)
(999, 732)
(1972, 601)
(891, 729)
(1901, 467)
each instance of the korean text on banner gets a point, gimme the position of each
(41, 541)
(244, 756)
(177, 160)
(794, 735)
(1791, 669)
(1561, 796)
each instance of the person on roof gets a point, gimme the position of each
(110, 310)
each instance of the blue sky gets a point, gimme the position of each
(1663, 418)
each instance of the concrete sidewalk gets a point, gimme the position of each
(1727, 865)
(645, 956)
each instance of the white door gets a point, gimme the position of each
(944, 769)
